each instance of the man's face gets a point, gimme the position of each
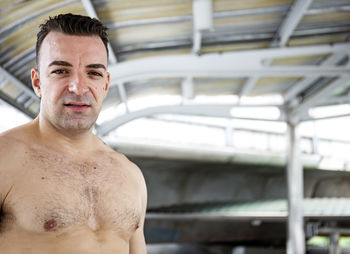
(72, 80)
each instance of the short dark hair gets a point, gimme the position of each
(71, 24)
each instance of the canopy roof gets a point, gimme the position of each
(297, 51)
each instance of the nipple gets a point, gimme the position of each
(50, 224)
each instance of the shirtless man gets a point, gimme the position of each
(62, 190)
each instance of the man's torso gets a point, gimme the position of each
(58, 203)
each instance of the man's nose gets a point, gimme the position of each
(78, 85)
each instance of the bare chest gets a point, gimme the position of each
(55, 192)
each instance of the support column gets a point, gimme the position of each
(334, 243)
(296, 237)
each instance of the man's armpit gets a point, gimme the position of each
(2, 205)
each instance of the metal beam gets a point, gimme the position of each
(344, 99)
(305, 83)
(92, 13)
(28, 103)
(209, 71)
(220, 38)
(342, 27)
(320, 94)
(280, 9)
(3, 82)
(233, 64)
(4, 32)
(210, 110)
(168, 150)
(21, 98)
(188, 18)
(248, 86)
(200, 110)
(290, 22)
(20, 59)
(19, 84)
(14, 104)
(123, 97)
(317, 11)
(217, 38)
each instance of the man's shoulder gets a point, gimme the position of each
(8, 140)
(13, 144)
(133, 171)
(13, 138)
(119, 158)
(123, 161)
(12, 150)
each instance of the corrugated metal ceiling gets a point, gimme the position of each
(149, 29)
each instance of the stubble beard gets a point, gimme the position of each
(75, 121)
(73, 124)
(63, 120)
(68, 120)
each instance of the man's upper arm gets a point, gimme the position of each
(137, 243)
(5, 188)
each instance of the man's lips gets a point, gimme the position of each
(77, 106)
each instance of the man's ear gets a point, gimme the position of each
(107, 82)
(36, 82)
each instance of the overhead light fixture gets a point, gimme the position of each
(219, 99)
(259, 113)
(272, 99)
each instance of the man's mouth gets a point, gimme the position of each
(77, 106)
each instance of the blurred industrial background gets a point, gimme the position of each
(237, 112)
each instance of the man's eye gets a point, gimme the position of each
(60, 71)
(95, 73)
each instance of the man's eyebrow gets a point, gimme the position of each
(60, 63)
(96, 66)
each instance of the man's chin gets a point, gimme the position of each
(77, 125)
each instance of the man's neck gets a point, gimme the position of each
(65, 140)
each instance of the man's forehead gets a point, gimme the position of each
(58, 46)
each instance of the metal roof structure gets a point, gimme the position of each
(296, 50)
